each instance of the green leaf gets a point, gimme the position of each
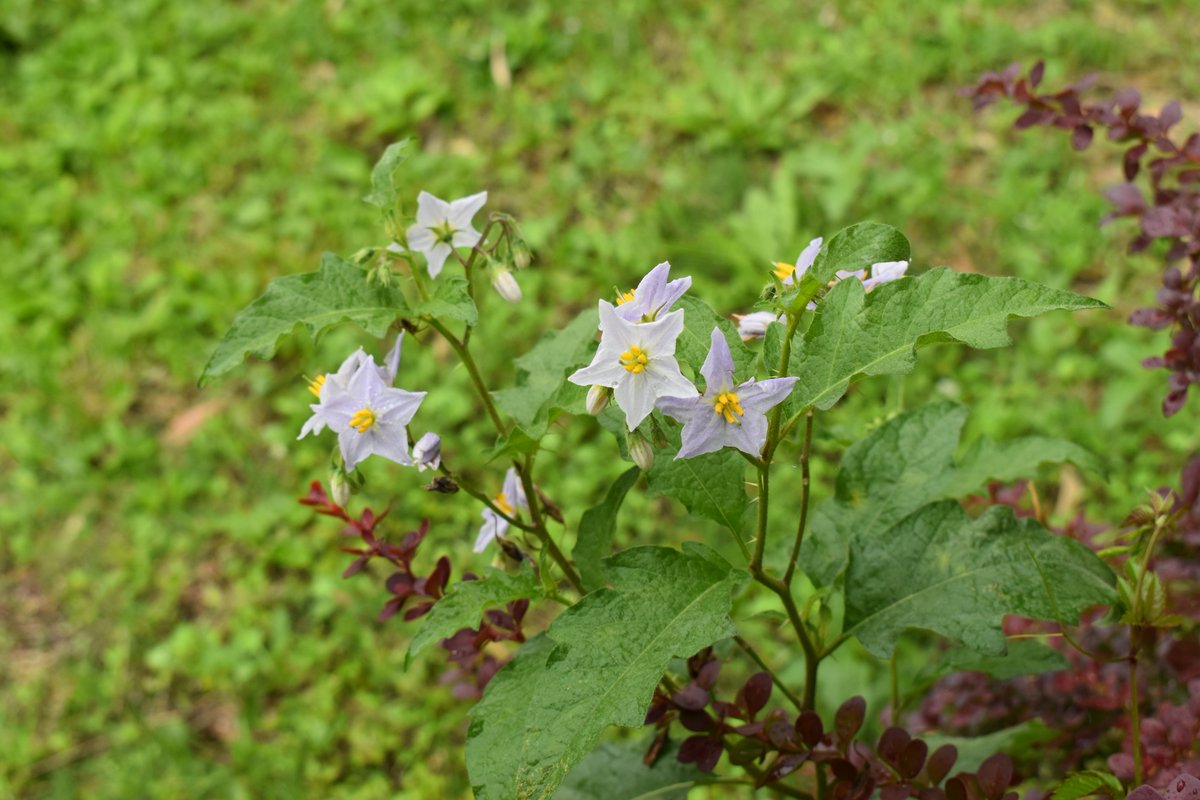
(615, 770)
(694, 342)
(856, 334)
(1024, 657)
(1019, 741)
(1088, 783)
(464, 604)
(545, 711)
(941, 571)
(450, 300)
(712, 485)
(541, 384)
(594, 540)
(907, 463)
(337, 292)
(384, 191)
(858, 247)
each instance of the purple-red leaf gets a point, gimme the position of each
(848, 719)
(756, 692)
(912, 758)
(693, 697)
(808, 725)
(941, 762)
(702, 751)
(995, 774)
(1081, 137)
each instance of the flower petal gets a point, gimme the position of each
(718, 364)
(391, 364)
(635, 396)
(805, 260)
(760, 397)
(431, 211)
(703, 433)
(462, 210)
(437, 256)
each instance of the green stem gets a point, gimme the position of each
(487, 501)
(788, 693)
(539, 523)
(1135, 714)
(468, 361)
(806, 482)
(812, 659)
(760, 541)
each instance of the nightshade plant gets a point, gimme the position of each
(645, 635)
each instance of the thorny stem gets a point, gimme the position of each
(758, 659)
(804, 492)
(760, 540)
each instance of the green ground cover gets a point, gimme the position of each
(173, 623)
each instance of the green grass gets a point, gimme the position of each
(174, 624)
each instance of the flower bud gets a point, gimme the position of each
(641, 452)
(339, 487)
(597, 399)
(506, 285)
(427, 452)
(521, 255)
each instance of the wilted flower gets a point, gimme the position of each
(637, 361)
(506, 285)
(511, 500)
(653, 295)
(726, 414)
(442, 226)
(427, 452)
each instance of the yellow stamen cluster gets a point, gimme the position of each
(362, 420)
(625, 297)
(729, 406)
(783, 270)
(315, 385)
(635, 360)
(501, 501)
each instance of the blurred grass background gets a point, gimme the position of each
(173, 624)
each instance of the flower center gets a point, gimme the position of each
(501, 501)
(635, 360)
(729, 406)
(363, 419)
(315, 385)
(625, 297)
(444, 233)
(784, 270)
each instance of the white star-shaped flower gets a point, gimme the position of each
(442, 226)
(511, 500)
(637, 360)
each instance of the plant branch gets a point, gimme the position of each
(812, 659)
(806, 480)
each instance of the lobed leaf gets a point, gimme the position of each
(907, 463)
(857, 334)
(858, 247)
(337, 292)
(615, 769)
(384, 191)
(693, 344)
(940, 570)
(450, 300)
(597, 665)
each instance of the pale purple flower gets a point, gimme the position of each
(370, 418)
(331, 386)
(653, 295)
(885, 272)
(427, 452)
(638, 361)
(726, 415)
(789, 273)
(511, 500)
(754, 325)
(442, 226)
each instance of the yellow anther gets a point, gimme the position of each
(501, 501)
(362, 420)
(625, 297)
(729, 406)
(635, 359)
(784, 270)
(315, 385)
